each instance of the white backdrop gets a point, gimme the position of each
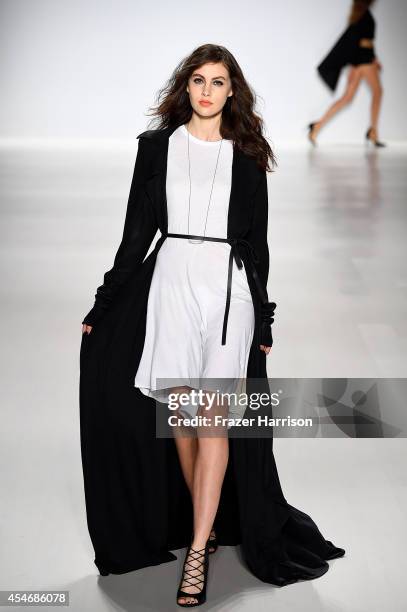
(89, 69)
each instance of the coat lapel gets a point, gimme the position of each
(245, 176)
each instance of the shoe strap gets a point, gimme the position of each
(194, 557)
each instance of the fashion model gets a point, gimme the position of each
(196, 308)
(356, 48)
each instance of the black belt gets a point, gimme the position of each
(235, 244)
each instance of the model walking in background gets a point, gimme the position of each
(356, 48)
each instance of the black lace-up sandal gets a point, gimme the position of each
(212, 542)
(193, 560)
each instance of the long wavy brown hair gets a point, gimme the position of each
(240, 123)
(359, 8)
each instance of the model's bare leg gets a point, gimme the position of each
(209, 471)
(187, 445)
(372, 76)
(187, 448)
(354, 77)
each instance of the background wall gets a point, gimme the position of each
(88, 69)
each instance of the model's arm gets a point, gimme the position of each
(140, 227)
(258, 237)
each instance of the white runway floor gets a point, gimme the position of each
(337, 235)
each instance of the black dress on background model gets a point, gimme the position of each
(348, 51)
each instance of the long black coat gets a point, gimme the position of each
(138, 505)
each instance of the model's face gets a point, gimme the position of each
(210, 83)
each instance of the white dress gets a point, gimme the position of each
(187, 296)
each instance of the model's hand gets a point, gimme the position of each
(265, 348)
(378, 64)
(86, 328)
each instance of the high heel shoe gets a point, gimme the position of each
(212, 543)
(310, 129)
(376, 143)
(191, 580)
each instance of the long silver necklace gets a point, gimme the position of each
(200, 240)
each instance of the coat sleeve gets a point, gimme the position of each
(258, 238)
(140, 227)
